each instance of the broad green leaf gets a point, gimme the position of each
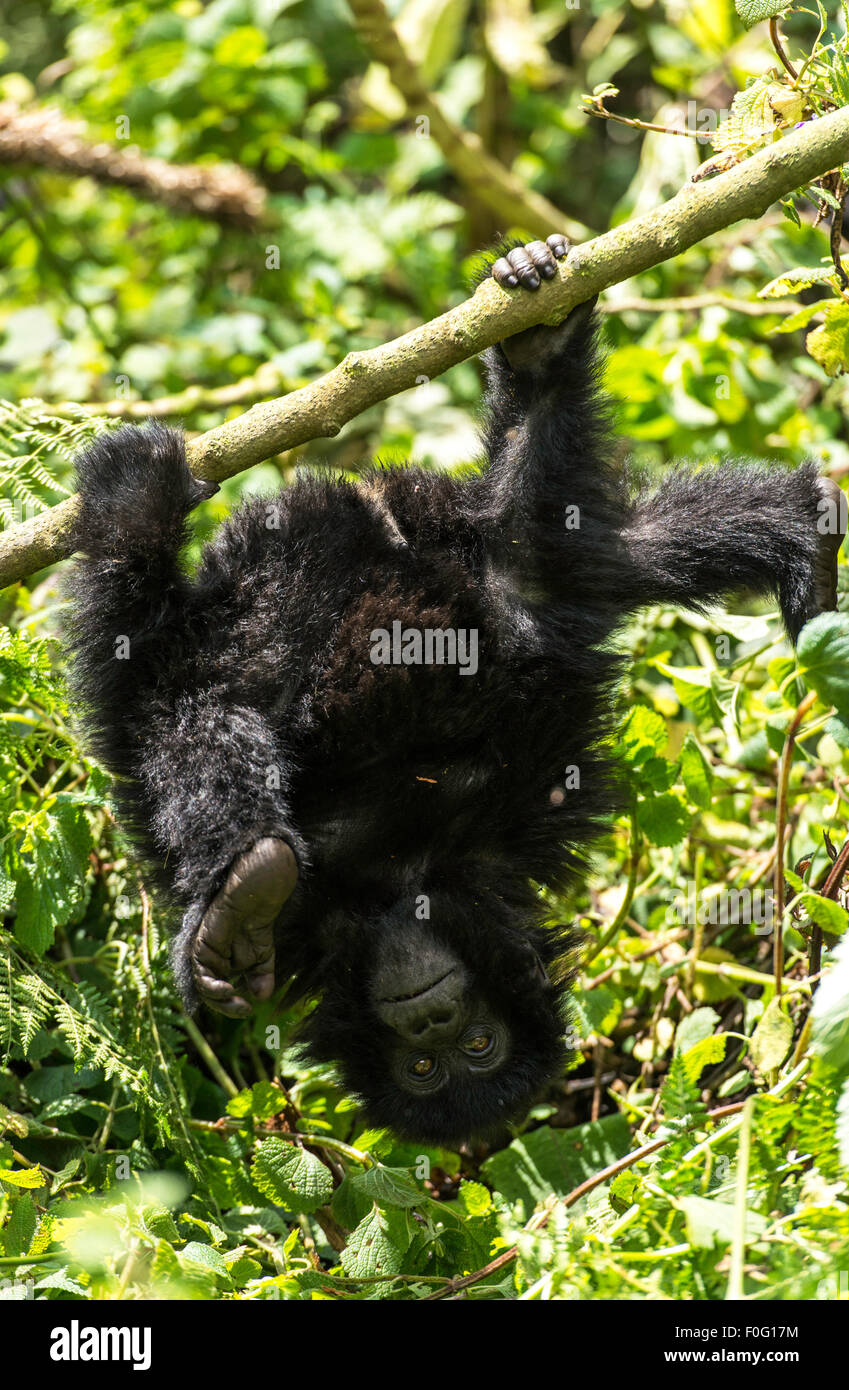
(23, 1177)
(290, 1176)
(205, 1255)
(664, 819)
(753, 12)
(262, 1101)
(390, 1187)
(378, 1245)
(694, 1028)
(555, 1160)
(823, 652)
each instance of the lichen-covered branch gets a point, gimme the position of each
(489, 182)
(44, 136)
(362, 378)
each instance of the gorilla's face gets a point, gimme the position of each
(441, 1049)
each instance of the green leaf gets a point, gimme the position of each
(51, 881)
(772, 1038)
(710, 1222)
(643, 735)
(205, 1255)
(555, 1160)
(707, 1053)
(291, 1177)
(474, 1199)
(378, 1245)
(664, 819)
(828, 344)
(830, 1014)
(825, 913)
(823, 652)
(262, 1101)
(754, 11)
(695, 773)
(695, 1027)
(23, 1177)
(19, 1231)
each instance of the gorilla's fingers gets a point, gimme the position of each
(543, 258)
(524, 265)
(236, 934)
(559, 244)
(503, 274)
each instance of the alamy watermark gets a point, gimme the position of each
(752, 907)
(429, 646)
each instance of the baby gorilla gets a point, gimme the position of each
(336, 798)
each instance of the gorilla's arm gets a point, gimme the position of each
(700, 537)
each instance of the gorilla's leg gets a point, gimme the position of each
(705, 535)
(216, 779)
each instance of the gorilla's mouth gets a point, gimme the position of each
(417, 993)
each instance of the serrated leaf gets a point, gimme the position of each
(19, 1231)
(754, 12)
(378, 1245)
(262, 1100)
(474, 1199)
(51, 881)
(290, 1176)
(23, 1177)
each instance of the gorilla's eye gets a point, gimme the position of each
(479, 1043)
(422, 1066)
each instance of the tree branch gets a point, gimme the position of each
(486, 178)
(46, 137)
(362, 378)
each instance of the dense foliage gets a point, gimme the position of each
(143, 1157)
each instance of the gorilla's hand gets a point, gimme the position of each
(534, 349)
(236, 937)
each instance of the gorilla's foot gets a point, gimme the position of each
(236, 935)
(831, 527)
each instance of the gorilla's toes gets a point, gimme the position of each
(236, 936)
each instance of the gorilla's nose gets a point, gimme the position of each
(431, 1023)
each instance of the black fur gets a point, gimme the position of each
(249, 705)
